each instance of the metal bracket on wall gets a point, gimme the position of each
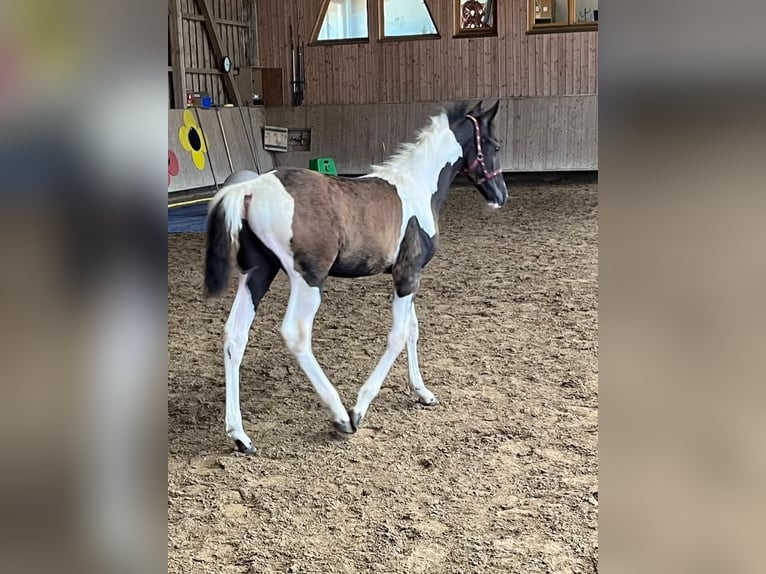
(299, 139)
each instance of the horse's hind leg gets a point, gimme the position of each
(296, 331)
(425, 396)
(235, 340)
(252, 287)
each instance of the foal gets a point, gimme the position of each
(313, 226)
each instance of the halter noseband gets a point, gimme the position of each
(479, 159)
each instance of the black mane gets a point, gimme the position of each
(457, 113)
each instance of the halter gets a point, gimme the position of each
(479, 159)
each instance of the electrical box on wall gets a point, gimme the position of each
(299, 139)
(274, 138)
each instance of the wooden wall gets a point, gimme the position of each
(362, 100)
(235, 25)
(555, 133)
(233, 141)
(513, 63)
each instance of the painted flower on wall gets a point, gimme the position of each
(193, 140)
(173, 167)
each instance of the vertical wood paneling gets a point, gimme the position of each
(562, 66)
(203, 47)
(198, 57)
(546, 67)
(569, 39)
(511, 64)
(530, 69)
(593, 64)
(539, 65)
(503, 42)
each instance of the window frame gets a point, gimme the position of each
(315, 41)
(382, 25)
(570, 26)
(460, 33)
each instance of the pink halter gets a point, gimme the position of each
(479, 159)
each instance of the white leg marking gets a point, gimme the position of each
(397, 339)
(416, 380)
(296, 331)
(235, 340)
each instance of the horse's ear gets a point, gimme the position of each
(490, 114)
(476, 110)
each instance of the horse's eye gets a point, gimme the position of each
(497, 148)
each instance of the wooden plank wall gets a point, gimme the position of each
(229, 136)
(511, 64)
(234, 24)
(554, 133)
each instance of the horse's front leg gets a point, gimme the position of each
(397, 339)
(425, 396)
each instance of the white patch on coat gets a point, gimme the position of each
(270, 216)
(414, 172)
(231, 197)
(270, 213)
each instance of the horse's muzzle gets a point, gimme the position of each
(501, 196)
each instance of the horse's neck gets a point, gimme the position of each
(444, 182)
(435, 170)
(427, 169)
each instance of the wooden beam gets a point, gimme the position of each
(178, 64)
(215, 41)
(203, 71)
(199, 18)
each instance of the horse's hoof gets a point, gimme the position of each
(244, 449)
(432, 402)
(356, 419)
(344, 427)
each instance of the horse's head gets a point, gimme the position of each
(481, 157)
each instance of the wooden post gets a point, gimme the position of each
(177, 54)
(215, 41)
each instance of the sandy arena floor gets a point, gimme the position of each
(501, 477)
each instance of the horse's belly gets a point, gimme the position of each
(361, 262)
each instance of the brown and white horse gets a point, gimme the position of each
(313, 226)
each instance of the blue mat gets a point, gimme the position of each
(188, 219)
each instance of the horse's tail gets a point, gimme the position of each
(224, 222)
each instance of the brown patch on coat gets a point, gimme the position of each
(341, 226)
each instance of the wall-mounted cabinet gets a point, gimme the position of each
(260, 86)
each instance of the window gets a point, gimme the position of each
(403, 18)
(475, 17)
(343, 21)
(563, 15)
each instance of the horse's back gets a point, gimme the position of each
(240, 177)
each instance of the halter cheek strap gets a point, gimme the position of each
(479, 159)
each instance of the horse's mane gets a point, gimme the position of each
(424, 136)
(457, 112)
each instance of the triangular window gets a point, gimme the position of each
(407, 18)
(343, 20)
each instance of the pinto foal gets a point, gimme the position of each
(313, 226)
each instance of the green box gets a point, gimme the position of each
(323, 165)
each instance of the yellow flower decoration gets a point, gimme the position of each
(193, 140)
